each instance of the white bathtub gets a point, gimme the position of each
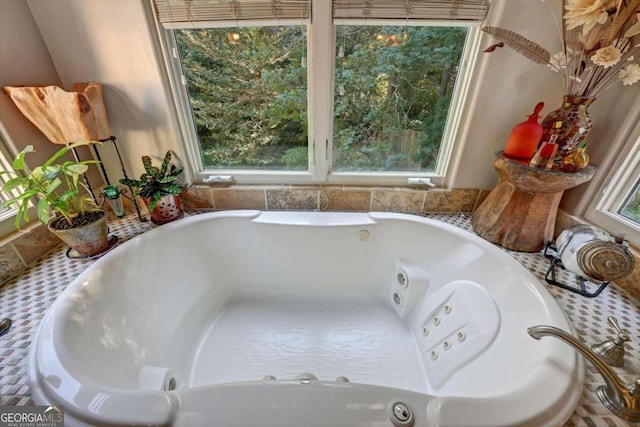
(410, 310)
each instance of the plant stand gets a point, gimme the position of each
(106, 176)
(66, 117)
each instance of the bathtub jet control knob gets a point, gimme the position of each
(401, 415)
(306, 377)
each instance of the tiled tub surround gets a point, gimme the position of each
(24, 247)
(415, 200)
(334, 198)
(26, 298)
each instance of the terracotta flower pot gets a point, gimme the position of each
(86, 240)
(166, 210)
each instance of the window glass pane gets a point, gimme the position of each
(248, 93)
(393, 89)
(631, 207)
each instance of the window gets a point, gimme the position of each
(617, 207)
(392, 95)
(630, 209)
(248, 95)
(365, 92)
(7, 215)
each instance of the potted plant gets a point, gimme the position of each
(159, 190)
(78, 221)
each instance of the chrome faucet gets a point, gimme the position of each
(621, 399)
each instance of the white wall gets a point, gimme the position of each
(24, 60)
(111, 41)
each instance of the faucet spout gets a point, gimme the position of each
(620, 398)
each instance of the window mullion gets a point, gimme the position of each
(320, 100)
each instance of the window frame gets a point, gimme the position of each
(321, 44)
(7, 216)
(604, 206)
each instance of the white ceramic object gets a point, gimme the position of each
(226, 319)
(571, 240)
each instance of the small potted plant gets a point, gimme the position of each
(56, 186)
(159, 190)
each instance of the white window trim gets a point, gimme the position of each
(625, 170)
(7, 217)
(320, 52)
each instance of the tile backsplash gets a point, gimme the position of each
(21, 248)
(333, 198)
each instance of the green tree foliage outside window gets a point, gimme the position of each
(393, 91)
(631, 208)
(248, 93)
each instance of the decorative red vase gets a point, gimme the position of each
(571, 123)
(524, 137)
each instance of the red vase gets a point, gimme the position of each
(524, 137)
(571, 123)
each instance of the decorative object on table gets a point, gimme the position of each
(545, 155)
(570, 123)
(612, 350)
(78, 222)
(600, 47)
(63, 117)
(576, 159)
(67, 117)
(524, 137)
(592, 255)
(159, 189)
(520, 211)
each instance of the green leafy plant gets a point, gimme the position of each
(44, 185)
(156, 182)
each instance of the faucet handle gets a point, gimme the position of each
(612, 350)
(623, 336)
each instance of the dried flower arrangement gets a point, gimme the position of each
(600, 45)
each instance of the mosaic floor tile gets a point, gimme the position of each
(26, 298)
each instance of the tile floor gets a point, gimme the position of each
(26, 298)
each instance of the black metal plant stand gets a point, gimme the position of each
(550, 276)
(123, 191)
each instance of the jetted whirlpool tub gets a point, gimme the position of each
(247, 318)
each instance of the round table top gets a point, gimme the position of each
(539, 180)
